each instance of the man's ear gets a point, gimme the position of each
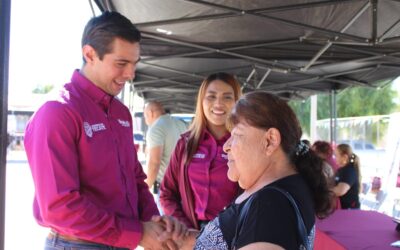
(272, 140)
(88, 53)
(151, 113)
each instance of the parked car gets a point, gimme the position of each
(357, 145)
(138, 140)
(373, 161)
(187, 118)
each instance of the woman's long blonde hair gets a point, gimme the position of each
(199, 122)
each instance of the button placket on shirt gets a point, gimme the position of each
(112, 122)
(211, 164)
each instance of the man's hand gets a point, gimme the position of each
(162, 232)
(174, 229)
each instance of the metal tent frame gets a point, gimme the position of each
(291, 48)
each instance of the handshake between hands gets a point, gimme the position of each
(167, 233)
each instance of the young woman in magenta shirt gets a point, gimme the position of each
(195, 187)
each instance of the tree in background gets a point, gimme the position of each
(42, 89)
(302, 110)
(355, 101)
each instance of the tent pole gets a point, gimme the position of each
(5, 8)
(333, 116)
(313, 117)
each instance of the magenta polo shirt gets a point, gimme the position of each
(88, 180)
(207, 178)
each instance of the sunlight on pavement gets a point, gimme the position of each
(21, 229)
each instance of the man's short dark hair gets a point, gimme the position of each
(101, 31)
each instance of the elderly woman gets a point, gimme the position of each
(283, 182)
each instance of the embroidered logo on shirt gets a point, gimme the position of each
(124, 123)
(98, 127)
(89, 129)
(199, 156)
(225, 156)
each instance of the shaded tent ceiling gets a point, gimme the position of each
(292, 48)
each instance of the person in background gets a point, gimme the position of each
(89, 184)
(324, 150)
(195, 187)
(348, 177)
(162, 135)
(272, 166)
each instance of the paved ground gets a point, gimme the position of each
(21, 230)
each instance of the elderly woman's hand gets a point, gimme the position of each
(189, 240)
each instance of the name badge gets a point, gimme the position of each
(124, 123)
(199, 156)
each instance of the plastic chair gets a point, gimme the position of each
(380, 198)
(373, 204)
(365, 187)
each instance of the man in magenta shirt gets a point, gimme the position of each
(89, 184)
